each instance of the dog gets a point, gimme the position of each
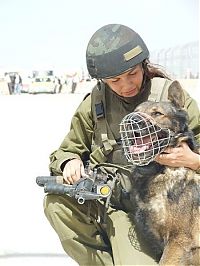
(166, 199)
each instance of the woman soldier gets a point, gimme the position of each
(119, 59)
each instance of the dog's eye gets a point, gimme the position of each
(156, 113)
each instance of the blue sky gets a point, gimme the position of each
(55, 33)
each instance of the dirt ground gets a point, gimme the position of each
(32, 126)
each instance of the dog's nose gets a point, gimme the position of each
(136, 119)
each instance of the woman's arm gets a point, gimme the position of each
(181, 156)
(77, 143)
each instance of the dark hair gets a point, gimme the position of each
(154, 70)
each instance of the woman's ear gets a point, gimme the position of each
(176, 94)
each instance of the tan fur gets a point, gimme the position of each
(171, 204)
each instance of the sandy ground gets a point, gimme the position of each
(37, 260)
(32, 126)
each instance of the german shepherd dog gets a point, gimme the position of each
(167, 199)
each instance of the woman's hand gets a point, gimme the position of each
(181, 156)
(73, 171)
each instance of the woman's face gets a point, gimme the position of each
(127, 84)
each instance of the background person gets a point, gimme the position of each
(18, 84)
(75, 81)
(118, 58)
(10, 79)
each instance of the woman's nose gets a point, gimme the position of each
(128, 82)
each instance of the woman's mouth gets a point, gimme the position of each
(130, 93)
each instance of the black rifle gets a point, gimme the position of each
(92, 186)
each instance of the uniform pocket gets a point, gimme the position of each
(97, 156)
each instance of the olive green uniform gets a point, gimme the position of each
(80, 228)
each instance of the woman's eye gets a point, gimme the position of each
(114, 81)
(133, 73)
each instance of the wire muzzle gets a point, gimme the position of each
(142, 138)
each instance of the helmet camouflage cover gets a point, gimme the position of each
(114, 49)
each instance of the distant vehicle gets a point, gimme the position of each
(42, 85)
(26, 81)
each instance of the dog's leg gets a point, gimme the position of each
(180, 257)
(174, 254)
(195, 257)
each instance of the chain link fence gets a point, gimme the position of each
(181, 62)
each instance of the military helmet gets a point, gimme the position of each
(114, 49)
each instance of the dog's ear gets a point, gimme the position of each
(176, 94)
